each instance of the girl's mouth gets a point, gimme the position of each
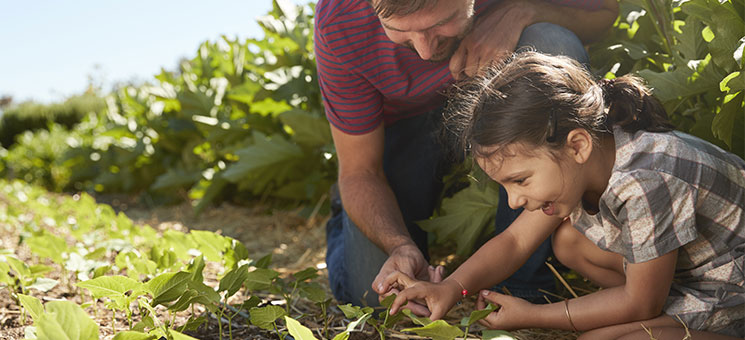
(548, 208)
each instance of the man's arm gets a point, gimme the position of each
(495, 33)
(366, 195)
(371, 204)
(588, 25)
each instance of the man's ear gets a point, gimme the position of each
(579, 145)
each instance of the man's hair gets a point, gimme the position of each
(388, 8)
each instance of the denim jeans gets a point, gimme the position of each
(413, 164)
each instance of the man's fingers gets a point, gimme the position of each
(436, 274)
(458, 61)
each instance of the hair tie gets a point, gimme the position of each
(607, 84)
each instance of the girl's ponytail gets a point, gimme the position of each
(632, 106)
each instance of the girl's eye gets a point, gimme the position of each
(520, 181)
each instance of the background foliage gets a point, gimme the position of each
(243, 120)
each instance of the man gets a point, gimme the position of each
(382, 67)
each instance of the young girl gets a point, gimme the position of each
(656, 217)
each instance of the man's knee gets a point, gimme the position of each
(553, 39)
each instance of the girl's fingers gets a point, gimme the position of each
(396, 279)
(400, 301)
(490, 296)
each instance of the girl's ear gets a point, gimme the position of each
(579, 145)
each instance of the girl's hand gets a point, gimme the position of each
(512, 314)
(438, 297)
(418, 308)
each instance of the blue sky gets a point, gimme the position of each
(50, 48)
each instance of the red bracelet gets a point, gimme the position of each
(463, 292)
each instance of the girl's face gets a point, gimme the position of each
(536, 180)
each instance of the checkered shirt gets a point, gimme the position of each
(675, 191)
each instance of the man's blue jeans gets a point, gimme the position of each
(413, 163)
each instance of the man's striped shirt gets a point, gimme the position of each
(366, 79)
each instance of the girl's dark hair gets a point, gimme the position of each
(538, 99)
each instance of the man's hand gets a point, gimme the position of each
(493, 37)
(409, 260)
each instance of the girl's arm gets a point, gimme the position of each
(642, 297)
(492, 263)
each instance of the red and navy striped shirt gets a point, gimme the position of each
(365, 78)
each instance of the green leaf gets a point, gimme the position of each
(492, 334)
(314, 293)
(196, 268)
(298, 331)
(266, 153)
(306, 274)
(724, 124)
(110, 286)
(4, 270)
(264, 261)
(733, 82)
(176, 178)
(210, 244)
(351, 311)
(265, 317)
(419, 320)
(437, 330)
(43, 284)
(22, 271)
(132, 335)
(32, 305)
(167, 287)
(466, 215)
(480, 314)
(233, 280)
(308, 129)
(260, 279)
(64, 320)
(48, 246)
(683, 81)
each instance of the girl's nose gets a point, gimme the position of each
(516, 201)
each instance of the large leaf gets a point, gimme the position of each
(725, 122)
(260, 279)
(265, 317)
(297, 330)
(702, 76)
(272, 153)
(233, 280)
(110, 286)
(32, 305)
(437, 330)
(65, 320)
(466, 215)
(308, 129)
(210, 244)
(167, 287)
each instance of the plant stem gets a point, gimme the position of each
(658, 22)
